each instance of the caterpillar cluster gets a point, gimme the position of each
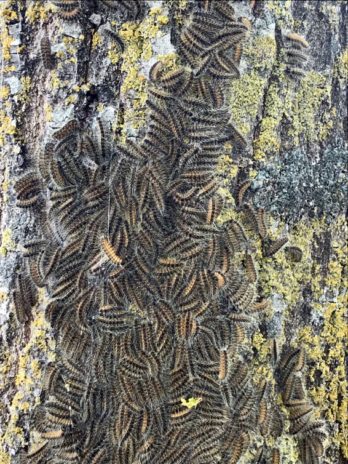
(72, 10)
(296, 55)
(148, 297)
(256, 221)
(308, 430)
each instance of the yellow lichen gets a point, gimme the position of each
(246, 97)
(268, 142)
(24, 93)
(38, 11)
(28, 376)
(4, 92)
(7, 127)
(96, 40)
(306, 107)
(71, 99)
(259, 53)
(190, 402)
(6, 42)
(138, 49)
(48, 112)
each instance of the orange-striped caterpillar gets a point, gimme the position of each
(68, 9)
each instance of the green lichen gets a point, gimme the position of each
(28, 376)
(324, 346)
(6, 242)
(138, 49)
(306, 109)
(259, 53)
(24, 94)
(246, 97)
(7, 127)
(268, 142)
(281, 9)
(4, 92)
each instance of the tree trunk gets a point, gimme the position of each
(289, 109)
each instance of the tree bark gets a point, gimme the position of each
(294, 125)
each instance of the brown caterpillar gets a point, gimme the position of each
(294, 253)
(273, 247)
(109, 251)
(68, 9)
(46, 53)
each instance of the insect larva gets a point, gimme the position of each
(69, 15)
(111, 3)
(260, 306)
(191, 41)
(38, 453)
(67, 130)
(185, 326)
(225, 10)
(58, 413)
(160, 95)
(241, 191)
(262, 412)
(236, 235)
(294, 253)
(227, 40)
(296, 56)
(274, 246)
(276, 459)
(52, 434)
(46, 53)
(203, 66)
(34, 247)
(237, 53)
(191, 252)
(293, 36)
(197, 176)
(133, 8)
(220, 279)
(49, 261)
(239, 445)
(168, 261)
(289, 358)
(298, 424)
(226, 67)
(172, 79)
(293, 392)
(156, 71)
(208, 188)
(110, 251)
(236, 137)
(250, 268)
(223, 365)
(24, 296)
(27, 186)
(114, 36)
(297, 412)
(262, 223)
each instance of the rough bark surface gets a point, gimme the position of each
(296, 157)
